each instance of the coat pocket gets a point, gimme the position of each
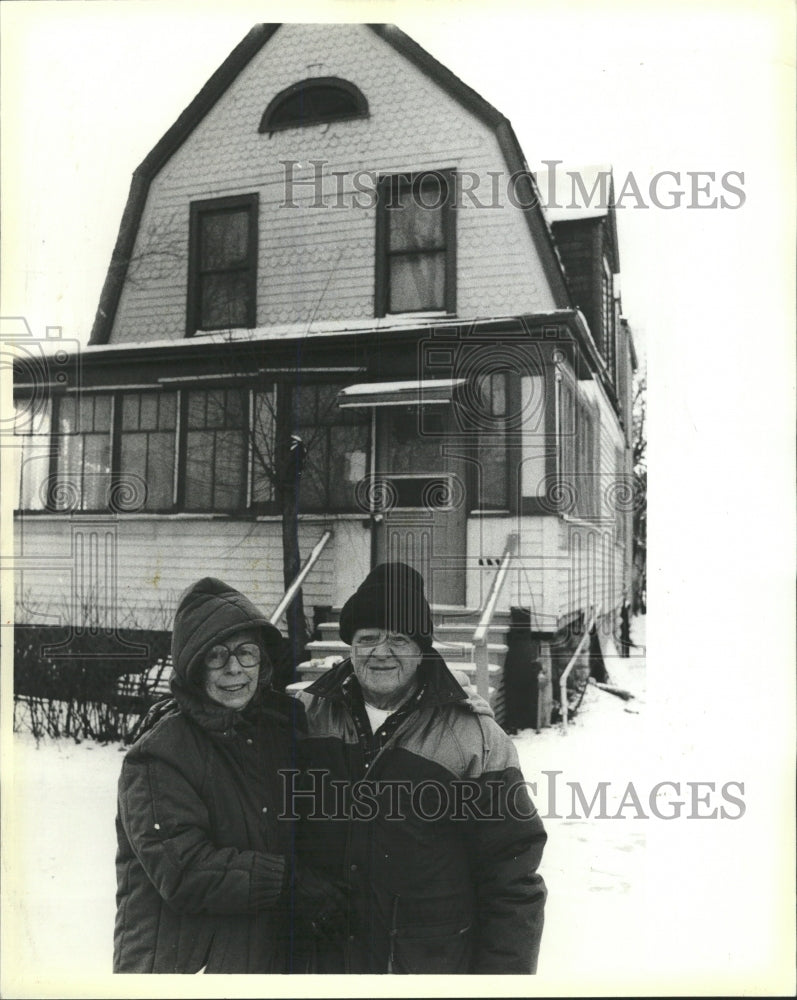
(430, 949)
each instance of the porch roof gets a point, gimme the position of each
(418, 392)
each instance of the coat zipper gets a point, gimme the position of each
(391, 958)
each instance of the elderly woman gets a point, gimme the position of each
(205, 875)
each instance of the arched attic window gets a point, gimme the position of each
(310, 102)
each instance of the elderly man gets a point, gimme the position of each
(417, 801)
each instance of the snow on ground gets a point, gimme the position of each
(62, 891)
(63, 886)
(594, 867)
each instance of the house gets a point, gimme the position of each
(336, 264)
(580, 208)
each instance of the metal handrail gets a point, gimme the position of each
(563, 679)
(300, 577)
(480, 652)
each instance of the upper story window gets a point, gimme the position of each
(415, 243)
(222, 265)
(310, 102)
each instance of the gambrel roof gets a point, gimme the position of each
(223, 79)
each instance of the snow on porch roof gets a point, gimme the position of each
(415, 392)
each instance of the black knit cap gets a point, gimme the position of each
(391, 597)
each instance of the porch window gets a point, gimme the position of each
(416, 249)
(32, 438)
(222, 266)
(205, 449)
(622, 505)
(215, 450)
(492, 456)
(578, 469)
(83, 468)
(263, 446)
(587, 468)
(147, 447)
(337, 445)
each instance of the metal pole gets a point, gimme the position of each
(290, 593)
(480, 651)
(569, 667)
(481, 659)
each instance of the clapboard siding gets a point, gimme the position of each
(614, 506)
(133, 570)
(532, 575)
(563, 565)
(318, 263)
(590, 574)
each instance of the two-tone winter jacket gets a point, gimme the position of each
(201, 851)
(429, 822)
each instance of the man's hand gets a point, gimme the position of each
(323, 904)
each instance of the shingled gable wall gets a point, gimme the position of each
(314, 263)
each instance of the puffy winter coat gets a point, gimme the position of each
(442, 872)
(201, 852)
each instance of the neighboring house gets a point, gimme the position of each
(341, 240)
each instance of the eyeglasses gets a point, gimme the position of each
(247, 654)
(397, 642)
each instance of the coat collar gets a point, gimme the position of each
(268, 707)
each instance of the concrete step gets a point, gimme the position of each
(464, 632)
(452, 652)
(312, 669)
(444, 615)
(450, 632)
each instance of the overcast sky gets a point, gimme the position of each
(88, 88)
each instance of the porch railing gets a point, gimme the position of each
(481, 655)
(563, 679)
(300, 577)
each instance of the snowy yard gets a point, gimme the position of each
(65, 881)
(597, 918)
(64, 884)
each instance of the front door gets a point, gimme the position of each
(421, 475)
